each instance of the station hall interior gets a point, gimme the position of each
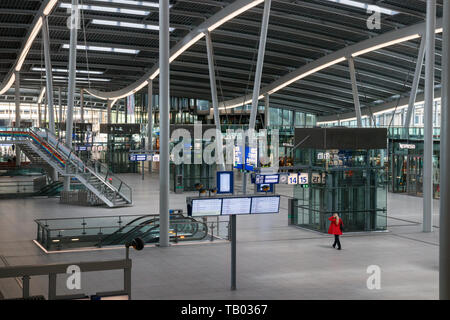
(201, 149)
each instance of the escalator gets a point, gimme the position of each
(181, 228)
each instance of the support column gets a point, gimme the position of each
(117, 112)
(108, 111)
(415, 84)
(150, 120)
(164, 108)
(260, 63)
(49, 75)
(351, 65)
(72, 81)
(428, 118)
(82, 105)
(60, 112)
(267, 111)
(17, 100)
(39, 116)
(215, 100)
(444, 225)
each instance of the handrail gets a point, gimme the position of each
(79, 164)
(25, 271)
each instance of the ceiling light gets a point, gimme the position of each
(65, 71)
(303, 75)
(366, 6)
(49, 7)
(128, 24)
(234, 14)
(103, 49)
(107, 9)
(9, 84)
(28, 44)
(386, 44)
(134, 3)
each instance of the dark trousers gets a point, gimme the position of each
(336, 241)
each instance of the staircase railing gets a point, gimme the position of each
(86, 170)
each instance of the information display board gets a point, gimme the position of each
(267, 179)
(225, 182)
(236, 206)
(265, 205)
(206, 207)
(251, 158)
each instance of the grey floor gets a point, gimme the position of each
(275, 261)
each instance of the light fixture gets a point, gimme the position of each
(366, 6)
(303, 75)
(41, 95)
(234, 14)
(135, 3)
(107, 9)
(127, 25)
(186, 46)
(49, 7)
(65, 70)
(28, 44)
(103, 49)
(9, 84)
(386, 44)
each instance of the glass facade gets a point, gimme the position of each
(352, 183)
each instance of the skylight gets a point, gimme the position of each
(128, 24)
(65, 71)
(134, 3)
(366, 6)
(103, 49)
(107, 9)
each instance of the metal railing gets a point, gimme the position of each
(52, 270)
(52, 146)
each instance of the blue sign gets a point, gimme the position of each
(267, 179)
(225, 181)
(238, 158)
(251, 158)
(138, 157)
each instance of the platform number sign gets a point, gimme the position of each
(293, 178)
(303, 178)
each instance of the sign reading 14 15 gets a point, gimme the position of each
(293, 178)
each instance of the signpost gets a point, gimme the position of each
(232, 206)
(142, 156)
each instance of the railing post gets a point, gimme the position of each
(127, 280)
(52, 286)
(26, 287)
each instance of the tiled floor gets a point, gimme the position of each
(275, 261)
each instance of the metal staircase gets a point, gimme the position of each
(44, 148)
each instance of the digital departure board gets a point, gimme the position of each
(265, 205)
(236, 206)
(206, 207)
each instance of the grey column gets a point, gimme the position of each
(17, 100)
(415, 84)
(428, 118)
(260, 63)
(108, 111)
(267, 111)
(164, 108)
(351, 65)
(60, 111)
(82, 105)
(117, 111)
(39, 115)
(49, 75)
(72, 81)
(150, 120)
(215, 100)
(444, 225)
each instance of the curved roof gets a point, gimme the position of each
(306, 41)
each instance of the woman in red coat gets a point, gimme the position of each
(336, 229)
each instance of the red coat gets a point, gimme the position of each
(334, 228)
